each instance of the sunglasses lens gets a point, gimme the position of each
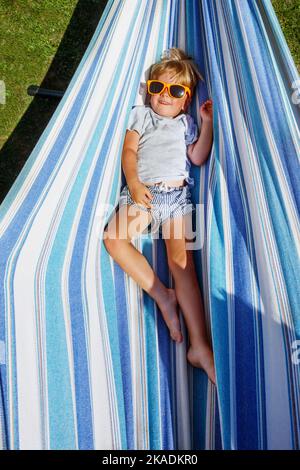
(177, 91)
(155, 87)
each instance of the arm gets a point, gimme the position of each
(129, 156)
(139, 192)
(200, 150)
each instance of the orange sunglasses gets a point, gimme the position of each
(176, 90)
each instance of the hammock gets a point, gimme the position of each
(86, 359)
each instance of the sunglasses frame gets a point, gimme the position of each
(168, 85)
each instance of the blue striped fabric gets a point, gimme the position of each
(86, 359)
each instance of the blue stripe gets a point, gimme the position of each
(166, 398)
(151, 369)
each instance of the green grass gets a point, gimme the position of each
(42, 42)
(30, 33)
(288, 13)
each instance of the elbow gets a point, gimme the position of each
(199, 159)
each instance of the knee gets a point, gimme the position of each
(181, 260)
(178, 260)
(113, 243)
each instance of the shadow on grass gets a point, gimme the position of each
(24, 137)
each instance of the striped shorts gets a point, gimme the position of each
(167, 203)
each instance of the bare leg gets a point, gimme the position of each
(117, 241)
(189, 297)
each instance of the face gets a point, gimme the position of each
(166, 105)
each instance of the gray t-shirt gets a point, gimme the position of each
(162, 150)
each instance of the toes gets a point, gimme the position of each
(212, 378)
(176, 334)
(177, 337)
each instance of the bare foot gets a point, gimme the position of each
(169, 310)
(202, 356)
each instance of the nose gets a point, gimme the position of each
(165, 92)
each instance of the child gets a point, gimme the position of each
(158, 140)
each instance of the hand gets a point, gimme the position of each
(206, 111)
(140, 194)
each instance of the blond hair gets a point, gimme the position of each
(176, 60)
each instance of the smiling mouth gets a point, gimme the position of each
(163, 102)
